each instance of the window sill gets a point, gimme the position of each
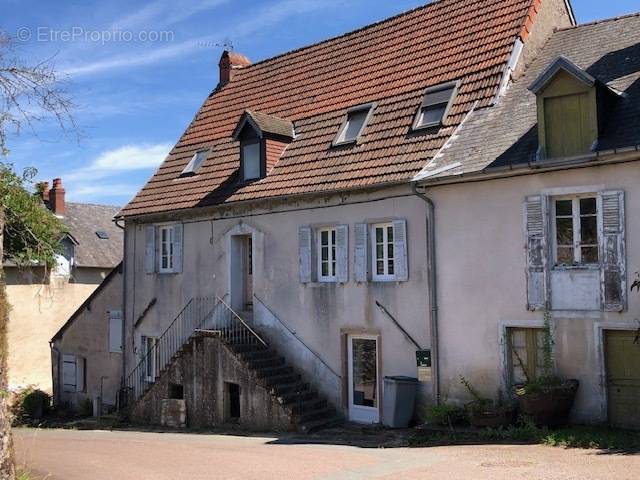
(576, 268)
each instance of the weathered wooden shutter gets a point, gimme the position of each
(536, 238)
(304, 254)
(400, 250)
(361, 255)
(177, 248)
(115, 331)
(342, 253)
(613, 273)
(81, 369)
(150, 249)
(69, 373)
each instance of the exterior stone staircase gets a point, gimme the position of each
(228, 338)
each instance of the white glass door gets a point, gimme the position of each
(363, 379)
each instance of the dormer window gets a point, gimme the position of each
(572, 106)
(353, 126)
(263, 139)
(195, 163)
(251, 160)
(435, 106)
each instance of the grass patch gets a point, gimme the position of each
(602, 438)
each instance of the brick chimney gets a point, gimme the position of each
(229, 63)
(56, 197)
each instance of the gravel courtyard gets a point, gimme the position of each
(125, 455)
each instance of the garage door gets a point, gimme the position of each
(623, 378)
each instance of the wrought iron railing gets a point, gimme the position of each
(200, 314)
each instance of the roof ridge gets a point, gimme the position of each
(598, 22)
(93, 204)
(430, 3)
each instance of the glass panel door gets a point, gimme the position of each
(363, 379)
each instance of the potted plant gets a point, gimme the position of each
(485, 413)
(547, 399)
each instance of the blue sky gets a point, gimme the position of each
(138, 71)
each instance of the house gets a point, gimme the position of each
(42, 301)
(86, 353)
(277, 265)
(547, 180)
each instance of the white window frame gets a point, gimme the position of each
(332, 263)
(386, 276)
(170, 268)
(577, 234)
(340, 138)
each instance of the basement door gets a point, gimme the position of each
(363, 379)
(623, 378)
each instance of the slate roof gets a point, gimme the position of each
(83, 221)
(507, 133)
(390, 63)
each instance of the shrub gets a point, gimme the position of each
(444, 414)
(85, 409)
(30, 403)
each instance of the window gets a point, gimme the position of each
(167, 244)
(251, 161)
(435, 106)
(383, 252)
(576, 231)
(150, 357)
(102, 235)
(526, 354)
(74, 373)
(352, 127)
(195, 163)
(326, 255)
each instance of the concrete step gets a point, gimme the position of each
(274, 371)
(309, 405)
(315, 415)
(275, 380)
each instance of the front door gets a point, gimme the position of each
(364, 397)
(247, 269)
(623, 378)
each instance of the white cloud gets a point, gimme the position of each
(102, 190)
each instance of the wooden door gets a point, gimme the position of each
(623, 378)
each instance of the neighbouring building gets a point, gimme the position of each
(280, 263)
(42, 301)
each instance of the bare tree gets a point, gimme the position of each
(29, 93)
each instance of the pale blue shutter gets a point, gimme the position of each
(150, 249)
(342, 253)
(115, 331)
(361, 252)
(400, 250)
(177, 248)
(304, 254)
(536, 245)
(613, 273)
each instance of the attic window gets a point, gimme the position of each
(102, 235)
(354, 124)
(195, 163)
(435, 106)
(251, 160)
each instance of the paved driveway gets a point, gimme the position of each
(98, 455)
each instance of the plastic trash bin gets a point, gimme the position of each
(399, 401)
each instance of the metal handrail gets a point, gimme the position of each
(397, 324)
(295, 335)
(242, 321)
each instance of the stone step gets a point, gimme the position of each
(316, 425)
(274, 371)
(309, 405)
(294, 397)
(276, 380)
(292, 388)
(317, 414)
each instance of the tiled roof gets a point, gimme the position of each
(390, 63)
(83, 221)
(608, 50)
(271, 124)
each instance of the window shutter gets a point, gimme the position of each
(342, 253)
(69, 373)
(304, 249)
(115, 331)
(613, 272)
(177, 248)
(150, 249)
(536, 231)
(361, 257)
(81, 366)
(400, 250)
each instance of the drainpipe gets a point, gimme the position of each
(55, 368)
(432, 288)
(123, 271)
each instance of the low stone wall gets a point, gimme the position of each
(204, 371)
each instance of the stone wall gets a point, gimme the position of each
(204, 370)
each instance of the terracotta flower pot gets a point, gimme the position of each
(548, 405)
(492, 417)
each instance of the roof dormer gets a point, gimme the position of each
(572, 106)
(263, 139)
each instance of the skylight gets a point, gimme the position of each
(195, 163)
(435, 105)
(354, 124)
(102, 235)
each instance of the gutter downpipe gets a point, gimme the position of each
(124, 307)
(432, 288)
